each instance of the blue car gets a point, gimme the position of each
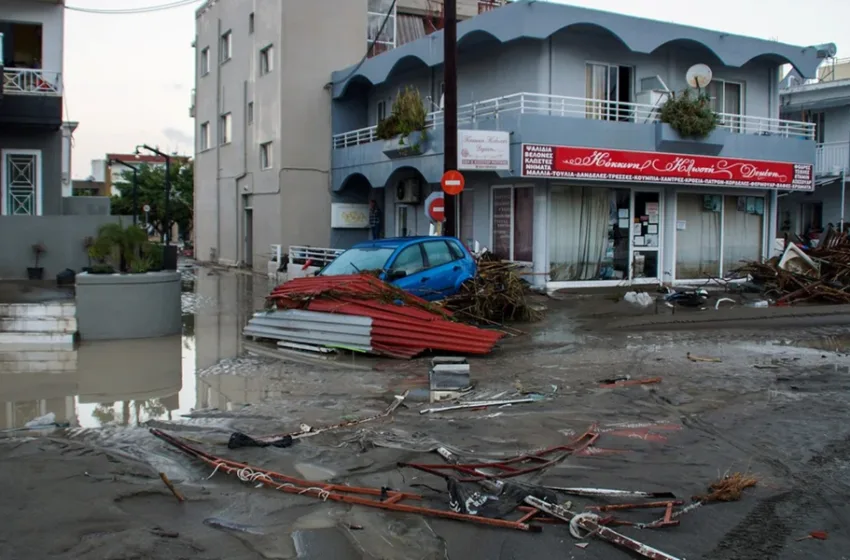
(429, 267)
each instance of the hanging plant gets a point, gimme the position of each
(408, 116)
(691, 116)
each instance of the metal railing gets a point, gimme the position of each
(31, 81)
(832, 157)
(316, 256)
(579, 107)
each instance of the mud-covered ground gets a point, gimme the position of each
(775, 406)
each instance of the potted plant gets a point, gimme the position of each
(407, 123)
(36, 272)
(88, 243)
(690, 116)
(124, 250)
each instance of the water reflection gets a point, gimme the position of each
(132, 381)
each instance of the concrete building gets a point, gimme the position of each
(824, 102)
(262, 113)
(577, 176)
(31, 132)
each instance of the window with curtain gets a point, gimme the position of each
(743, 224)
(727, 98)
(697, 237)
(607, 87)
(579, 219)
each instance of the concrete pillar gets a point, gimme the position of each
(540, 253)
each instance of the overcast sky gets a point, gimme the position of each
(128, 78)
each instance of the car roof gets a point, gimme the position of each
(396, 242)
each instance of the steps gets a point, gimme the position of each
(42, 327)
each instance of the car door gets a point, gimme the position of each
(443, 271)
(411, 261)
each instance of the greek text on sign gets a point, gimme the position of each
(483, 150)
(566, 162)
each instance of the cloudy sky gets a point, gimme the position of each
(128, 78)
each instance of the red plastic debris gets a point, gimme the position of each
(403, 325)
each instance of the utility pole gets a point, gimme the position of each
(450, 107)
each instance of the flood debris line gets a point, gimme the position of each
(285, 440)
(807, 274)
(380, 498)
(496, 295)
(361, 313)
(629, 382)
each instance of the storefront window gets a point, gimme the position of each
(698, 219)
(743, 231)
(513, 215)
(701, 250)
(589, 233)
(467, 232)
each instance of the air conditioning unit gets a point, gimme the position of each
(407, 191)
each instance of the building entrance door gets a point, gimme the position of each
(645, 246)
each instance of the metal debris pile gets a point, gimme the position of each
(816, 275)
(361, 313)
(497, 294)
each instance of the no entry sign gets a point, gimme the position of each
(452, 182)
(435, 207)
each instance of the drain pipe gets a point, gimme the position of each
(218, 152)
(843, 196)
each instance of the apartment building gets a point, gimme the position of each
(262, 110)
(824, 102)
(568, 167)
(31, 128)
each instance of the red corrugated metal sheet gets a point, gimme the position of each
(403, 325)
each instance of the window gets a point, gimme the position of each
(266, 155)
(817, 118)
(512, 217)
(608, 89)
(225, 129)
(382, 111)
(380, 26)
(251, 22)
(727, 100)
(226, 47)
(205, 139)
(438, 253)
(205, 61)
(409, 260)
(250, 112)
(456, 251)
(266, 60)
(465, 213)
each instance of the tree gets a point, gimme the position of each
(151, 191)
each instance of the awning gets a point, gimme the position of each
(823, 180)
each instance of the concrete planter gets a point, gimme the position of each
(415, 144)
(668, 140)
(122, 306)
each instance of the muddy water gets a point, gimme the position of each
(125, 383)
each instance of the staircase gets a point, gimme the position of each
(45, 328)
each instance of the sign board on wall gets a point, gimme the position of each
(349, 216)
(483, 150)
(567, 162)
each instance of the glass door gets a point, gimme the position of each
(405, 221)
(646, 236)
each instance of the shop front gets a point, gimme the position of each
(619, 217)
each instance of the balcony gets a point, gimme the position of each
(519, 104)
(31, 81)
(832, 157)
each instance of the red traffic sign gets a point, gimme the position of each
(452, 182)
(435, 207)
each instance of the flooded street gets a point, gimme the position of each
(770, 401)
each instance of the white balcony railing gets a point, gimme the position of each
(31, 81)
(832, 157)
(578, 107)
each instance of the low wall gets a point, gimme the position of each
(122, 306)
(86, 206)
(62, 236)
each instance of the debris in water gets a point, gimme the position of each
(171, 487)
(631, 382)
(728, 489)
(231, 526)
(693, 358)
(582, 545)
(819, 535)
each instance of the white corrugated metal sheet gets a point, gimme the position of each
(313, 328)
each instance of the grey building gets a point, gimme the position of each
(31, 54)
(568, 168)
(824, 102)
(262, 110)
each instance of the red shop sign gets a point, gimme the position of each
(565, 162)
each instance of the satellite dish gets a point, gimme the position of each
(698, 76)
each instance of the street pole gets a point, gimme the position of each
(843, 197)
(135, 196)
(167, 200)
(450, 106)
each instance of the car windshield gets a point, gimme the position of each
(359, 260)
